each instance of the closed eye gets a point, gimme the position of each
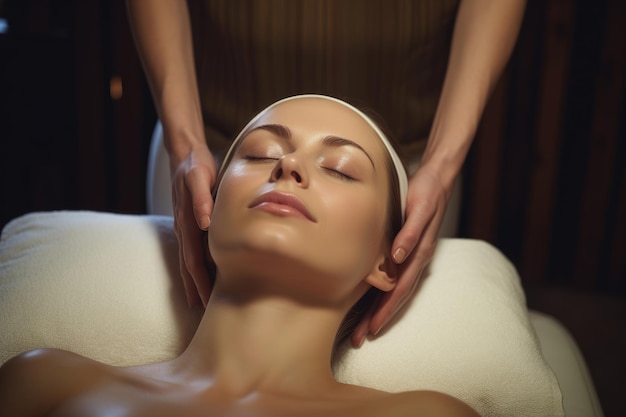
(260, 158)
(339, 174)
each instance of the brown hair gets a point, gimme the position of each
(394, 224)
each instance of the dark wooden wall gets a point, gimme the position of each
(547, 175)
(545, 181)
(75, 112)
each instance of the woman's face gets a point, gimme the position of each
(302, 206)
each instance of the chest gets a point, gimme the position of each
(132, 403)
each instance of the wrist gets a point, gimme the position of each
(443, 160)
(181, 117)
(181, 142)
(198, 159)
(451, 135)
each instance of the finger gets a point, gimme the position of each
(190, 292)
(196, 265)
(362, 329)
(193, 299)
(195, 260)
(199, 182)
(419, 217)
(185, 227)
(393, 300)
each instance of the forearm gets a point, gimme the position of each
(162, 32)
(484, 36)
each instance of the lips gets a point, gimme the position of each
(282, 204)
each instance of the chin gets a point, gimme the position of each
(280, 262)
(279, 241)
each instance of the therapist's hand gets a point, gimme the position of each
(192, 179)
(412, 249)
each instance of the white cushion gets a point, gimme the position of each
(106, 286)
(564, 357)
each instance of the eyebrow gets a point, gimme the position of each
(283, 132)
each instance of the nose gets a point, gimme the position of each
(289, 167)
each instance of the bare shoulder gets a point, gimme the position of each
(35, 381)
(427, 403)
(48, 365)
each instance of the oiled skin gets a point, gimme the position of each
(57, 383)
(285, 282)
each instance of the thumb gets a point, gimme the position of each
(199, 182)
(407, 238)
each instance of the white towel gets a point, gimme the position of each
(106, 286)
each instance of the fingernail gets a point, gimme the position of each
(380, 328)
(399, 255)
(205, 222)
(361, 340)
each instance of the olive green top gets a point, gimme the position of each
(387, 56)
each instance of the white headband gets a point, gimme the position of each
(397, 163)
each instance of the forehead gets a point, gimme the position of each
(316, 118)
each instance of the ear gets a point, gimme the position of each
(384, 274)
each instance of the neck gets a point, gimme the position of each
(270, 344)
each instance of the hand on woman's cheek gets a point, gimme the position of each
(192, 180)
(413, 248)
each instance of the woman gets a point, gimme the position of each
(307, 205)
(427, 66)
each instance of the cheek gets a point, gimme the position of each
(358, 221)
(230, 203)
(235, 186)
(224, 197)
(353, 239)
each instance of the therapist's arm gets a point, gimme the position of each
(484, 35)
(162, 33)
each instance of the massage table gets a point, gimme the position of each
(557, 344)
(106, 286)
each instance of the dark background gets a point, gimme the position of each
(545, 181)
